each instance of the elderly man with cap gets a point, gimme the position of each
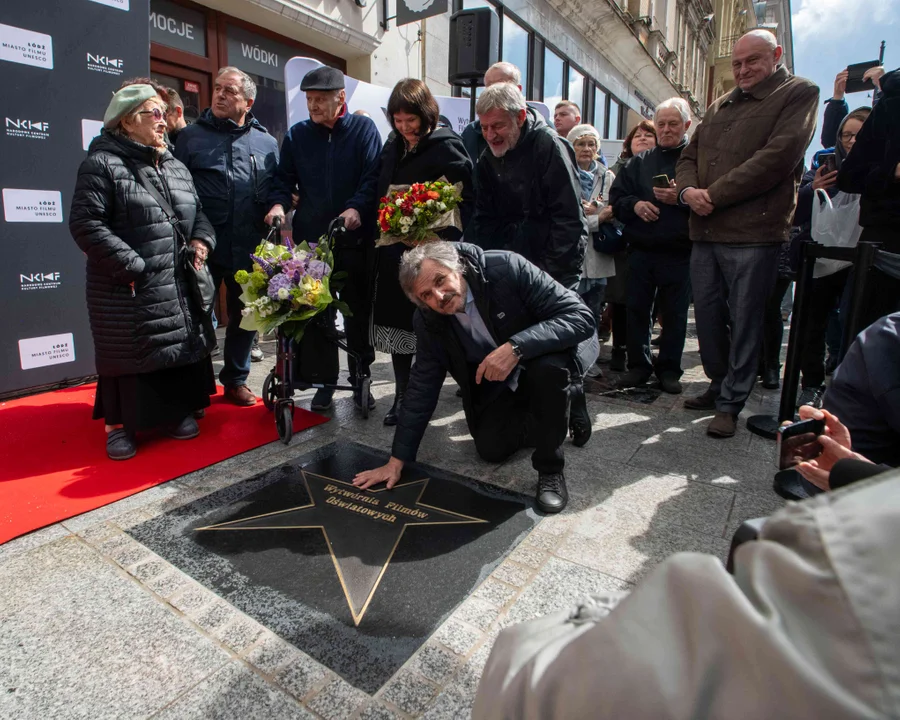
(331, 162)
(232, 159)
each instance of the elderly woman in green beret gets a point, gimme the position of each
(152, 355)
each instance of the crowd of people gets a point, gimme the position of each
(703, 216)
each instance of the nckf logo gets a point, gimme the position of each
(105, 64)
(16, 127)
(39, 281)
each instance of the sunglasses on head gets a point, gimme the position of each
(155, 112)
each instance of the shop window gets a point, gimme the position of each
(600, 111)
(515, 47)
(613, 132)
(576, 90)
(553, 78)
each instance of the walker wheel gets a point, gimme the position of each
(270, 391)
(284, 421)
(364, 395)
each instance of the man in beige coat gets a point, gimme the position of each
(739, 175)
(808, 627)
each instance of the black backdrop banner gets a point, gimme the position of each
(60, 60)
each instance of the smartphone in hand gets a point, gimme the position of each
(661, 181)
(827, 162)
(798, 442)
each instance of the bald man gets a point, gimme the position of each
(501, 72)
(739, 175)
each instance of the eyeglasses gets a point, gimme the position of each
(155, 112)
(848, 136)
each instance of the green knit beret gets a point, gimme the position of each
(126, 100)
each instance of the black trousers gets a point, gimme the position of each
(666, 279)
(773, 326)
(535, 415)
(355, 293)
(825, 295)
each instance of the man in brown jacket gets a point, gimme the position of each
(739, 175)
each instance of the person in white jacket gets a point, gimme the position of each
(808, 627)
(596, 179)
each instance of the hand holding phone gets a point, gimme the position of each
(828, 161)
(798, 442)
(661, 181)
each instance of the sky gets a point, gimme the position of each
(831, 34)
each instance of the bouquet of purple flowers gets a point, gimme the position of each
(288, 286)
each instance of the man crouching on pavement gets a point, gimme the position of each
(511, 337)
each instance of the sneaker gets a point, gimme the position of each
(670, 383)
(811, 396)
(256, 355)
(617, 359)
(322, 400)
(185, 430)
(579, 418)
(595, 372)
(633, 378)
(552, 495)
(723, 425)
(706, 401)
(240, 395)
(120, 445)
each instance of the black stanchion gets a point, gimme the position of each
(862, 267)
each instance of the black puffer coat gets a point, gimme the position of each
(517, 302)
(138, 300)
(529, 201)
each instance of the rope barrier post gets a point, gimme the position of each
(767, 425)
(864, 262)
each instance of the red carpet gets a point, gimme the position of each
(53, 462)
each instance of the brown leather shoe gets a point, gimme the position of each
(706, 401)
(723, 425)
(240, 395)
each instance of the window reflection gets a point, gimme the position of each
(553, 78)
(515, 47)
(613, 132)
(576, 88)
(600, 111)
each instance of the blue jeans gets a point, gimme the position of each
(665, 277)
(238, 342)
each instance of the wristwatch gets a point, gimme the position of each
(517, 351)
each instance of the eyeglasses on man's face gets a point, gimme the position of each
(155, 112)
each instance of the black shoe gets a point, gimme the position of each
(199, 414)
(322, 400)
(770, 379)
(633, 378)
(579, 419)
(393, 415)
(552, 495)
(185, 430)
(831, 363)
(670, 383)
(357, 399)
(811, 396)
(617, 359)
(120, 445)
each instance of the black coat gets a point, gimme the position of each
(870, 167)
(138, 300)
(634, 183)
(529, 201)
(517, 301)
(439, 154)
(233, 167)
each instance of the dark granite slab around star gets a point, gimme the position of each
(358, 580)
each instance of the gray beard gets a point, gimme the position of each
(514, 137)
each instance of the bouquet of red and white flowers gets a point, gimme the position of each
(412, 214)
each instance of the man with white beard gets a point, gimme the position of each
(529, 194)
(529, 202)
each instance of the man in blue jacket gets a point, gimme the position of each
(331, 161)
(232, 159)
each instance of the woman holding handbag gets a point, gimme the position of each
(596, 179)
(147, 323)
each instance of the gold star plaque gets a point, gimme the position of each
(362, 528)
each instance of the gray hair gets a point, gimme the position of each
(675, 103)
(443, 253)
(502, 96)
(510, 72)
(248, 87)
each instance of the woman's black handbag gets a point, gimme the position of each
(203, 289)
(608, 239)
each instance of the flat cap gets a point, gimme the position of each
(323, 78)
